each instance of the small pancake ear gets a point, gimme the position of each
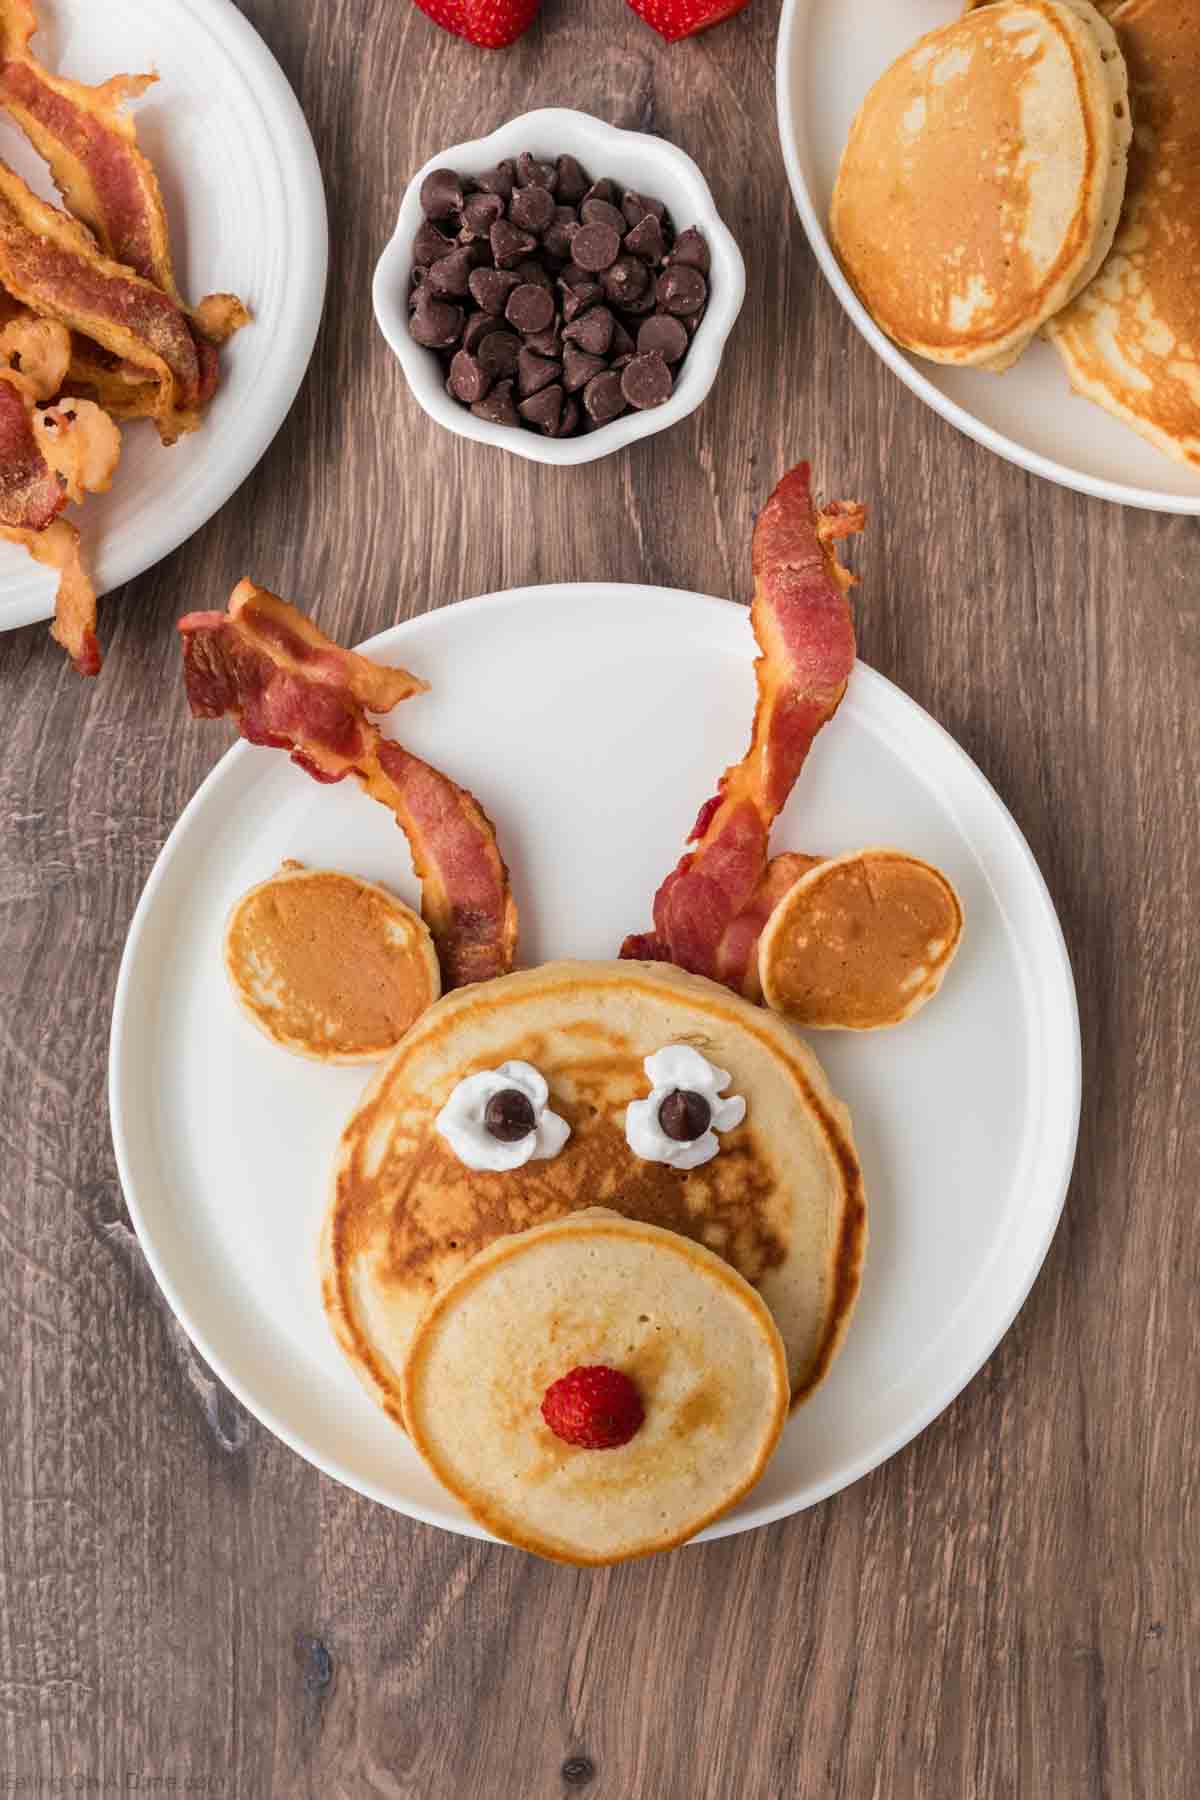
(859, 942)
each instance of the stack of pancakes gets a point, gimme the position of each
(1033, 166)
(982, 181)
(780, 1208)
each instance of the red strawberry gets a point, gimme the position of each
(674, 19)
(490, 24)
(594, 1408)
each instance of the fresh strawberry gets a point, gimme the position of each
(674, 19)
(489, 24)
(594, 1408)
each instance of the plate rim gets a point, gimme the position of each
(751, 1519)
(788, 118)
(300, 174)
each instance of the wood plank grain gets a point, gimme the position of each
(1009, 1607)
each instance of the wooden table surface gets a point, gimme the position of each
(1008, 1607)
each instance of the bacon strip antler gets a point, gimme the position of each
(267, 666)
(710, 909)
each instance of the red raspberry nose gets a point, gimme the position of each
(593, 1407)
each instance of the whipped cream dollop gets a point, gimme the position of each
(680, 1069)
(461, 1121)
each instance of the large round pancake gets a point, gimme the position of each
(1131, 341)
(696, 1340)
(782, 1201)
(982, 179)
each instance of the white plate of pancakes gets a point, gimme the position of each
(965, 1116)
(246, 211)
(830, 54)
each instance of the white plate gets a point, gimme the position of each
(592, 721)
(829, 53)
(243, 193)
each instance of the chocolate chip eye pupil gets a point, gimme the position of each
(509, 1116)
(685, 1115)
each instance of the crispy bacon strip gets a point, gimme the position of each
(90, 143)
(806, 642)
(49, 456)
(267, 666)
(48, 261)
(30, 492)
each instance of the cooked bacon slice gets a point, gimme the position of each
(48, 261)
(267, 666)
(47, 457)
(806, 643)
(121, 389)
(90, 143)
(30, 492)
(74, 627)
(38, 350)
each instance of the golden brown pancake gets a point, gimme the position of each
(860, 942)
(697, 1342)
(1131, 341)
(982, 179)
(782, 1200)
(329, 966)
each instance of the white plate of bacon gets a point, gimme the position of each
(162, 272)
(590, 722)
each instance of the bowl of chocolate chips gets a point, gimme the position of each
(559, 288)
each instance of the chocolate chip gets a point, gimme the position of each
(573, 184)
(593, 331)
(532, 208)
(529, 308)
(415, 282)
(500, 180)
(441, 194)
(626, 281)
(451, 274)
(681, 289)
(498, 353)
(435, 323)
(663, 336)
(509, 1116)
(545, 343)
(559, 234)
(430, 244)
(595, 247)
(469, 380)
(579, 366)
(685, 1116)
(600, 212)
(643, 304)
(646, 381)
(620, 362)
(490, 288)
(573, 276)
(570, 417)
(602, 190)
(534, 271)
(646, 240)
(497, 407)
(578, 299)
(691, 250)
(544, 410)
(535, 373)
(637, 207)
(603, 400)
(480, 212)
(477, 328)
(531, 173)
(622, 344)
(509, 245)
